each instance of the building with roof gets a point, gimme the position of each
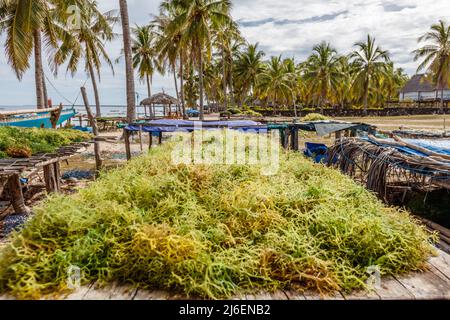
(419, 88)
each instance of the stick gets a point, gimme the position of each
(92, 119)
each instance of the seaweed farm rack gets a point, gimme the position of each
(13, 170)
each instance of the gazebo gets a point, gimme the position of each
(164, 100)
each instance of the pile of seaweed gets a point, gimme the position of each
(24, 142)
(213, 231)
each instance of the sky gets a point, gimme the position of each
(281, 27)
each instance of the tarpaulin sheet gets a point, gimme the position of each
(189, 126)
(324, 128)
(438, 146)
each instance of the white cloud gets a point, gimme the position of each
(292, 28)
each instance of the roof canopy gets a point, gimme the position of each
(160, 98)
(419, 82)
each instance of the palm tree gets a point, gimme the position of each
(436, 56)
(322, 71)
(248, 67)
(171, 45)
(196, 22)
(131, 99)
(27, 23)
(370, 61)
(144, 54)
(228, 39)
(88, 42)
(274, 82)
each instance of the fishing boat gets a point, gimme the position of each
(45, 118)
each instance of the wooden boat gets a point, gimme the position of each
(44, 118)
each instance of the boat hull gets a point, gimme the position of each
(41, 121)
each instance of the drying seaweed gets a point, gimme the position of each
(213, 231)
(24, 142)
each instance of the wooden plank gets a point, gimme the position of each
(79, 293)
(442, 263)
(279, 295)
(392, 289)
(122, 292)
(361, 295)
(96, 292)
(294, 295)
(425, 285)
(150, 295)
(314, 295)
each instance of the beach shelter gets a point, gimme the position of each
(160, 99)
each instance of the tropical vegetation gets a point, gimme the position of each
(213, 66)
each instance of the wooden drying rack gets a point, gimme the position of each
(11, 170)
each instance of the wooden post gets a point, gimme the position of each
(57, 176)
(160, 136)
(126, 136)
(338, 135)
(150, 143)
(140, 138)
(16, 194)
(93, 120)
(294, 139)
(55, 115)
(49, 177)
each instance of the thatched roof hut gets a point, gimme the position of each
(160, 99)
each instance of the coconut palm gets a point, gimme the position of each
(88, 43)
(131, 99)
(196, 22)
(274, 83)
(247, 68)
(171, 44)
(322, 72)
(371, 62)
(436, 55)
(145, 57)
(227, 39)
(27, 24)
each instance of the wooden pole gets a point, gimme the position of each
(126, 136)
(93, 120)
(150, 143)
(160, 137)
(49, 177)
(140, 138)
(55, 115)
(16, 194)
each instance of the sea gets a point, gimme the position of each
(107, 110)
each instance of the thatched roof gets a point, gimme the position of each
(160, 98)
(418, 83)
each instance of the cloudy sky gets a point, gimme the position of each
(286, 27)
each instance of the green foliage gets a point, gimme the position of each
(315, 117)
(23, 142)
(213, 231)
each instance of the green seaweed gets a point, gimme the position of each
(213, 231)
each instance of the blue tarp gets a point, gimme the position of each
(316, 151)
(189, 126)
(438, 146)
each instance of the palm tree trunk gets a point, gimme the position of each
(39, 70)
(366, 97)
(232, 99)
(44, 90)
(176, 81)
(149, 85)
(224, 71)
(200, 76)
(131, 99)
(442, 99)
(182, 83)
(98, 109)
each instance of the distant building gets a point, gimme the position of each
(421, 89)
